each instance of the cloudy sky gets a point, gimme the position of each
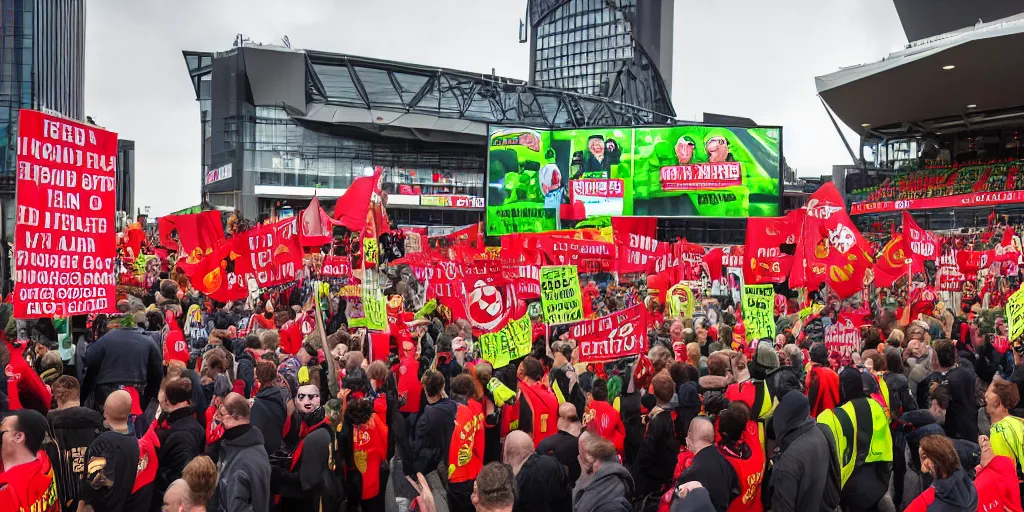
(748, 58)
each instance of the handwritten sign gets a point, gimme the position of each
(65, 241)
(370, 251)
(512, 342)
(1015, 314)
(620, 334)
(560, 294)
(375, 309)
(759, 311)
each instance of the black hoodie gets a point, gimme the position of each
(269, 414)
(71, 432)
(953, 494)
(805, 468)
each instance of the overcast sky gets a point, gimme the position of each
(748, 58)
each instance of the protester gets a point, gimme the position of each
(194, 489)
(112, 459)
(602, 418)
(243, 465)
(466, 450)
(27, 481)
(538, 410)
(805, 473)
(541, 482)
(605, 485)
(124, 356)
(72, 429)
(494, 489)
(654, 464)
(269, 412)
(709, 467)
(952, 489)
(564, 446)
(181, 436)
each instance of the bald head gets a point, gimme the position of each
(117, 407)
(234, 411)
(178, 496)
(701, 435)
(518, 447)
(568, 419)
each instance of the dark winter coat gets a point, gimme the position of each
(244, 473)
(801, 470)
(269, 414)
(181, 439)
(432, 437)
(543, 486)
(610, 488)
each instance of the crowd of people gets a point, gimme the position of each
(278, 407)
(945, 181)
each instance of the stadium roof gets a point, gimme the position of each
(915, 91)
(410, 100)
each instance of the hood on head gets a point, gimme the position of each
(792, 413)
(851, 385)
(688, 394)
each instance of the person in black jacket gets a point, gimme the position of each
(308, 483)
(269, 411)
(244, 467)
(709, 467)
(962, 415)
(541, 479)
(246, 355)
(806, 470)
(181, 437)
(433, 432)
(562, 378)
(72, 429)
(122, 357)
(112, 459)
(652, 470)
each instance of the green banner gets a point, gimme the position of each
(1015, 314)
(512, 342)
(375, 308)
(520, 218)
(759, 311)
(560, 294)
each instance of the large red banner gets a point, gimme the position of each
(957, 201)
(620, 334)
(65, 244)
(701, 176)
(636, 242)
(336, 266)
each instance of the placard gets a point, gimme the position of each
(65, 241)
(336, 266)
(759, 311)
(1015, 314)
(560, 294)
(843, 337)
(375, 309)
(370, 252)
(513, 341)
(620, 334)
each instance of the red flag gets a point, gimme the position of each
(214, 275)
(198, 233)
(714, 260)
(363, 202)
(892, 262)
(768, 240)
(620, 334)
(315, 226)
(921, 245)
(165, 225)
(830, 247)
(636, 242)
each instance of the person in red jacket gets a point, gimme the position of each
(741, 443)
(822, 382)
(466, 451)
(538, 411)
(369, 448)
(602, 418)
(24, 387)
(996, 480)
(26, 482)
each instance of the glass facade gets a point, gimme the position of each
(42, 61)
(581, 46)
(591, 47)
(278, 151)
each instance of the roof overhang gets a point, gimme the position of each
(909, 92)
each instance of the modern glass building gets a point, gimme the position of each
(280, 125)
(618, 49)
(124, 194)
